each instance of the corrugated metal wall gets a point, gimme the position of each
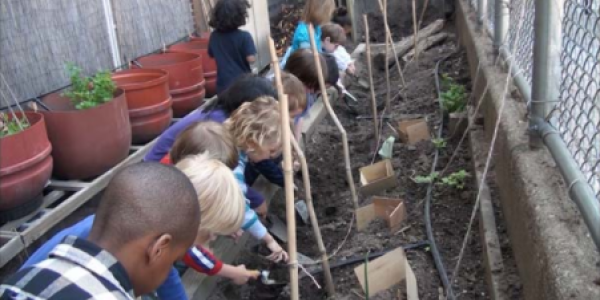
(38, 37)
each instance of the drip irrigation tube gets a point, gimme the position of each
(437, 258)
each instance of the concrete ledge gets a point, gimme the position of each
(554, 253)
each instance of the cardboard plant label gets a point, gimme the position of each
(413, 131)
(377, 177)
(386, 271)
(393, 211)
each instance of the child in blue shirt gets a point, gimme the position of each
(317, 13)
(233, 49)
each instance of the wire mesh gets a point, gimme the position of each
(577, 116)
(491, 14)
(520, 36)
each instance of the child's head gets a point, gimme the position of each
(229, 15)
(296, 92)
(144, 220)
(318, 12)
(301, 64)
(256, 128)
(341, 17)
(253, 86)
(222, 203)
(208, 136)
(332, 36)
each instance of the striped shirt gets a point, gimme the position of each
(76, 269)
(251, 222)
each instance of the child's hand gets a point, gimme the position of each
(277, 253)
(296, 165)
(351, 69)
(241, 275)
(237, 235)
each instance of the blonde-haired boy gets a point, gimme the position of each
(256, 130)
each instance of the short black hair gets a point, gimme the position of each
(147, 198)
(244, 89)
(341, 17)
(333, 72)
(229, 15)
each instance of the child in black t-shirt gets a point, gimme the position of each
(232, 48)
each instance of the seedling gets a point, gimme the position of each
(439, 143)
(426, 179)
(10, 126)
(456, 179)
(89, 92)
(454, 96)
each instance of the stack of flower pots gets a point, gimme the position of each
(199, 45)
(25, 168)
(186, 79)
(148, 101)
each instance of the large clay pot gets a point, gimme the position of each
(208, 64)
(148, 101)
(87, 143)
(186, 79)
(25, 168)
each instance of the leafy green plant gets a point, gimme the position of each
(456, 179)
(454, 95)
(426, 179)
(439, 143)
(10, 126)
(88, 92)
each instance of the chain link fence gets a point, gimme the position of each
(577, 114)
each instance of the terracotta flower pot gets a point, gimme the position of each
(87, 143)
(204, 38)
(25, 168)
(186, 79)
(208, 64)
(148, 101)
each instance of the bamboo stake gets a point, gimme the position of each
(373, 100)
(389, 34)
(287, 172)
(416, 28)
(387, 55)
(349, 177)
(313, 219)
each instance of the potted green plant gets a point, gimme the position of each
(26, 163)
(88, 126)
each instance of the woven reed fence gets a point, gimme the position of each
(38, 37)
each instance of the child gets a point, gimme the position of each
(133, 243)
(333, 37)
(222, 208)
(317, 13)
(341, 17)
(256, 129)
(216, 141)
(232, 48)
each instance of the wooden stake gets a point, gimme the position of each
(391, 40)
(287, 172)
(416, 28)
(313, 219)
(349, 177)
(387, 55)
(371, 83)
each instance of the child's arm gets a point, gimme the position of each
(251, 59)
(238, 274)
(202, 261)
(277, 253)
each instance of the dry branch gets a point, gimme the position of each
(349, 176)
(313, 219)
(426, 44)
(372, 86)
(289, 177)
(405, 45)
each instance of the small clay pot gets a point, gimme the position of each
(208, 63)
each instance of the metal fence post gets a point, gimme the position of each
(112, 32)
(546, 61)
(482, 11)
(500, 23)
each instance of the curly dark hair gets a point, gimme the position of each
(229, 15)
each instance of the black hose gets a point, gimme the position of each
(437, 258)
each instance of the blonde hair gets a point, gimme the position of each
(294, 88)
(257, 122)
(202, 137)
(222, 203)
(318, 12)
